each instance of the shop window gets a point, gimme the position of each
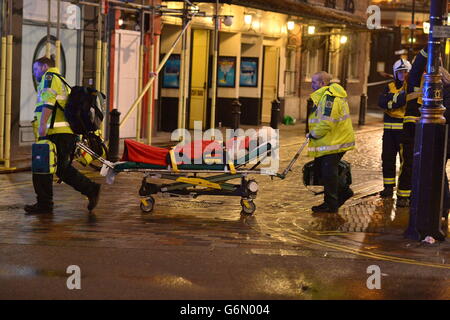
(334, 57)
(353, 52)
(314, 47)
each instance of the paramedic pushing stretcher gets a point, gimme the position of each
(50, 124)
(331, 135)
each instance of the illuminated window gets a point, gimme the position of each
(353, 51)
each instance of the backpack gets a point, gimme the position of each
(82, 110)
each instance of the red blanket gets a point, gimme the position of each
(138, 152)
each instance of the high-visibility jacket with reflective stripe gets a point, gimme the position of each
(329, 122)
(51, 90)
(393, 101)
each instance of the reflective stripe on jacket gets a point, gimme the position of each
(393, 101)
(52, 91)
(330, 123)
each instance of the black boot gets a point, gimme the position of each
(93, 198)
(402, 202)
(347, 195)
(324, 208)
(387, 192)
(38, 209)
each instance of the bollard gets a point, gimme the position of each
(236, 112)
(362, 110)
(309, 107)
(275, 116)
(114, 126)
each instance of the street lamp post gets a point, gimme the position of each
(430, 144)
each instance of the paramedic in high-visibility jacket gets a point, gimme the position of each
(393, 102)
(331, 135)
(50, 124)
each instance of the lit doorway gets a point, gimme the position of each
(270, 81)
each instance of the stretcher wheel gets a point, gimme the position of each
(248, 206)
(147, 204)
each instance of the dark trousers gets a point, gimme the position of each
(407, 156)
(327, 167)
(43, 183)
(391, 147)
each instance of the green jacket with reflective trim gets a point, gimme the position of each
(331, 129)
(52, 91)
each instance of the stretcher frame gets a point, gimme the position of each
(190, 183)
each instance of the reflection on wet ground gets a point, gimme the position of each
(366, 227)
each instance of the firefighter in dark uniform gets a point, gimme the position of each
(50, 124)
(393, 101)
(412, 115)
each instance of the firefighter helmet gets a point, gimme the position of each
(401, 64)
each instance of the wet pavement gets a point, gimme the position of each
(205, 249)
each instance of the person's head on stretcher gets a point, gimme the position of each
(240, 148)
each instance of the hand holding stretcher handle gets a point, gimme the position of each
(291, 164)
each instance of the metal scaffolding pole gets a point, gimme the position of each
(8, 89)
(8, 101)
(49, 17)
(2, 82)
(151, 69)
(158, 70)
(140, 76)
(98, 60)
(105, 65)
(214, 67)
(58, 34)
(182, 86)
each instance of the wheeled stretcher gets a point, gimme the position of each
(193, 180)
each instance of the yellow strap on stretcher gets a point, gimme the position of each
(173, 160)
(199, 182)
(232, 168)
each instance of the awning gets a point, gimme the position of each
(300, 9)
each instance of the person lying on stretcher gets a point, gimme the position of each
(201, 151)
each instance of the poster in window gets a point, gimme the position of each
(226, 72)
(171, 73)
(249, 72)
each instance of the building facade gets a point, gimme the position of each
(267, 50)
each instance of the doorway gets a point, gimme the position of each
(199, 77)
(270, 81)
(126, 77)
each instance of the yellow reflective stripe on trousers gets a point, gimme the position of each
(404, 193)
(389, 180)
(393, 125)
(332, 148)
